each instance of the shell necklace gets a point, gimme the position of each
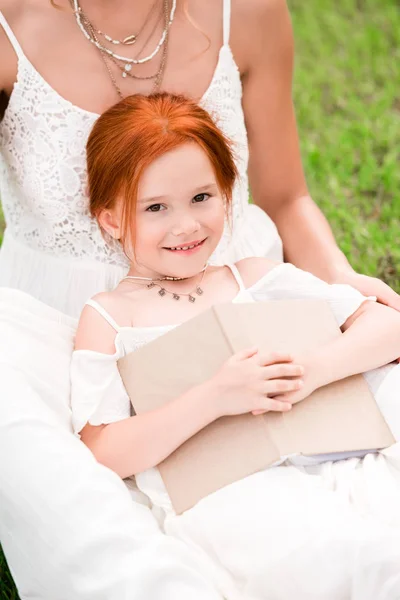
(129, 39)
(80, 19)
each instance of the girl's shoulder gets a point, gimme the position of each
(253, 269)
(100, 320)
(112, 301)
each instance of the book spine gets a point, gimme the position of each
(232, 327)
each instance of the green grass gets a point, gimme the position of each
(348, 108)
(7, 587)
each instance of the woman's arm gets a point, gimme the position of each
(276, 175)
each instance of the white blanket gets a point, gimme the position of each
(68, 525)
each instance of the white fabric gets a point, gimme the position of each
(52, 248)
(288, 532)
(68, 525)
(100, 309)
(226, 21)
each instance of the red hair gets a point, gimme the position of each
(129, 136)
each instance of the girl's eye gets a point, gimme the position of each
(201, 197)
(155, 208)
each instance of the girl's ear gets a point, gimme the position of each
(110, 222)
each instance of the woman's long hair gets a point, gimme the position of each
(129, 136)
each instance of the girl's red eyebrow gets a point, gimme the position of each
(197, 190)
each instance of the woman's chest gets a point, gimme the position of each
(54, 43)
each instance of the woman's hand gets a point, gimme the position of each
(248, 382)
(370, 286)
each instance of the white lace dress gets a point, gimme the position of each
(52, 249)
(328, 530)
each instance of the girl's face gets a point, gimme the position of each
(180, 214)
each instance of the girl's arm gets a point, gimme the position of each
(124, 446)
(134, 444)
(143, 441)
(371, 339)
(371, 331)
(276, 175)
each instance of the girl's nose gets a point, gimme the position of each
(185, 226)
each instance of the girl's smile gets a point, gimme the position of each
(188, 248)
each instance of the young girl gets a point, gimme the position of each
(160, 181)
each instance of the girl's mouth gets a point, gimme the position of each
(187, 248)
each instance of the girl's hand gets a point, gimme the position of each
(248, 382)
(312, 380)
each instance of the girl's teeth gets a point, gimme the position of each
(185, 247)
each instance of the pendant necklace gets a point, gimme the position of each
(198, 290)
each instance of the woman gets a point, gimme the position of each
(50, 111)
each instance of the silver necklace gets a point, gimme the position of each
(198, 290)
(81, 17)
(105, 58)
(125, 71)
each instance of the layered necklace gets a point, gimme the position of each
(123, 63)
(162, 291)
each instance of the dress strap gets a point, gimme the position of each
(104, 314)
(238, 277)
(226, 21)
(9, 33)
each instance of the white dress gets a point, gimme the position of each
(60, 541)
(52, 249)
(329, 531)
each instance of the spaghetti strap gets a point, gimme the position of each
(103, 313)
(9, 33)
(237, 276)
(226, 21)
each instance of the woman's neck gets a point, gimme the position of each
(114, 12)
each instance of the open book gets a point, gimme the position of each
(340, 417)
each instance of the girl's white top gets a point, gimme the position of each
(98, 395)
(52, 249)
